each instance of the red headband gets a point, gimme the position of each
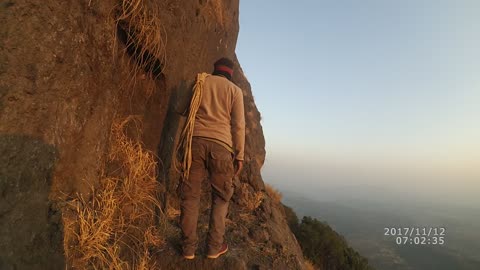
(224, 68)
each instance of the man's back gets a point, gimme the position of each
(221, 113)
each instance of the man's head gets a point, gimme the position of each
(224, 67)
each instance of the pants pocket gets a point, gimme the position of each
(221, 162)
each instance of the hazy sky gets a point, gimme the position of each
(378, 86)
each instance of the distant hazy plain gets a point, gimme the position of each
(359, 207)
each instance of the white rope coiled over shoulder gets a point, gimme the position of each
(183, 160)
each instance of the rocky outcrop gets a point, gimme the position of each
(68, 71)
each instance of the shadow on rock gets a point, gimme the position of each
(31, 232)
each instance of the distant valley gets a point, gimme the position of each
(362, 221)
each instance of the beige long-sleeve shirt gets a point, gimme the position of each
(221, 114)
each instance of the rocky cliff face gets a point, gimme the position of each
(74, 73)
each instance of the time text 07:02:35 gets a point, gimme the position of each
(417, 235)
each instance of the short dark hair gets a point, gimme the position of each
(224, 62)
(219, 68)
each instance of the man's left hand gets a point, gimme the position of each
(238, 167)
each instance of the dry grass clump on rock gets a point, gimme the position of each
(146, 35)
(253, 199)
(274, 194)
(115, 228)
(309, 265)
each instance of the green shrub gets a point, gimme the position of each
(323, 246)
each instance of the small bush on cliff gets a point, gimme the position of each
(323, 246)
(273, 193)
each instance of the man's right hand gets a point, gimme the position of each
(238, 164)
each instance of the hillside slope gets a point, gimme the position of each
(89, 98)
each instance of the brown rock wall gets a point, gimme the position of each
(64, 79)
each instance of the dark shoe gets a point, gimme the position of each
(222, 250)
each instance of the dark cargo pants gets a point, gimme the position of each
(211, 157)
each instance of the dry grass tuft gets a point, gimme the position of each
(247, 217)
(137, 79)
(146, 36)
(145, 262)
(172, 212)
(309, 265)
(152, 237)
(114, 229)
(256, 201)
(273, 193)
(252, 199)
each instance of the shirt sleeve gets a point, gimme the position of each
(238, 124)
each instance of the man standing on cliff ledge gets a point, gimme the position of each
(217, 150)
